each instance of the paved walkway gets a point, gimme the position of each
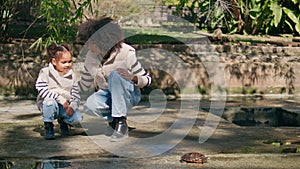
(157, 140)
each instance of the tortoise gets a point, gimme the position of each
(194, 157)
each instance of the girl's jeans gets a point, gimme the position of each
(52, 110)
(115, 101)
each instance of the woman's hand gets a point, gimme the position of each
(125, 74)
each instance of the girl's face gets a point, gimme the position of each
(64, 63)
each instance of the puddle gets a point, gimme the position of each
(262, 116)
(52, 164)
(33, 164)
(291, 150)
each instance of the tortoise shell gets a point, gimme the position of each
(194, 157)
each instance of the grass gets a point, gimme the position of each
(248, 150)
(157, 36)
(151, 39)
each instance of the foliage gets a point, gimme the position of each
(214, 14)
(60, 17)
(246, 16)
(14, 15)
(63, 16)
(7, 12)
(270, 16)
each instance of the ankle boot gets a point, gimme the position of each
(64, 128)
(121, 130)
(49, 131)
(110, 127)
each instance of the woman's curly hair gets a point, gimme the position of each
(104, 32)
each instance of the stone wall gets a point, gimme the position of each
(269, 67)
(237, 69)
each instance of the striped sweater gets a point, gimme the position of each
(96, 73)
(50, 84)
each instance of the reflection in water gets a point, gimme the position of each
(51, 164)
(44, 164)
(5, 164)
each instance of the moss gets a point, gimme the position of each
(248, 150)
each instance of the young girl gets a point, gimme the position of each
(58, 96)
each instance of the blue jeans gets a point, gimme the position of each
(115, 101)
(52, 110)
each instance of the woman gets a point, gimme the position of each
(112, 65)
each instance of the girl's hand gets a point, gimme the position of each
(69, 111)
(66, 105)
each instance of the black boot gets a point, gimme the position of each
(64, 128)
(121, 130)
(110, 127)
(49, 131)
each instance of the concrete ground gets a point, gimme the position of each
(159, 136)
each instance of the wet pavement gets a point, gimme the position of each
(160, 134)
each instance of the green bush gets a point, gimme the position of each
(245, 16)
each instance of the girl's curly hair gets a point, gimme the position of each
(104, 32)
(55, 51)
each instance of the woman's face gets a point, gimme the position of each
(64, 63)
(95, 49)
